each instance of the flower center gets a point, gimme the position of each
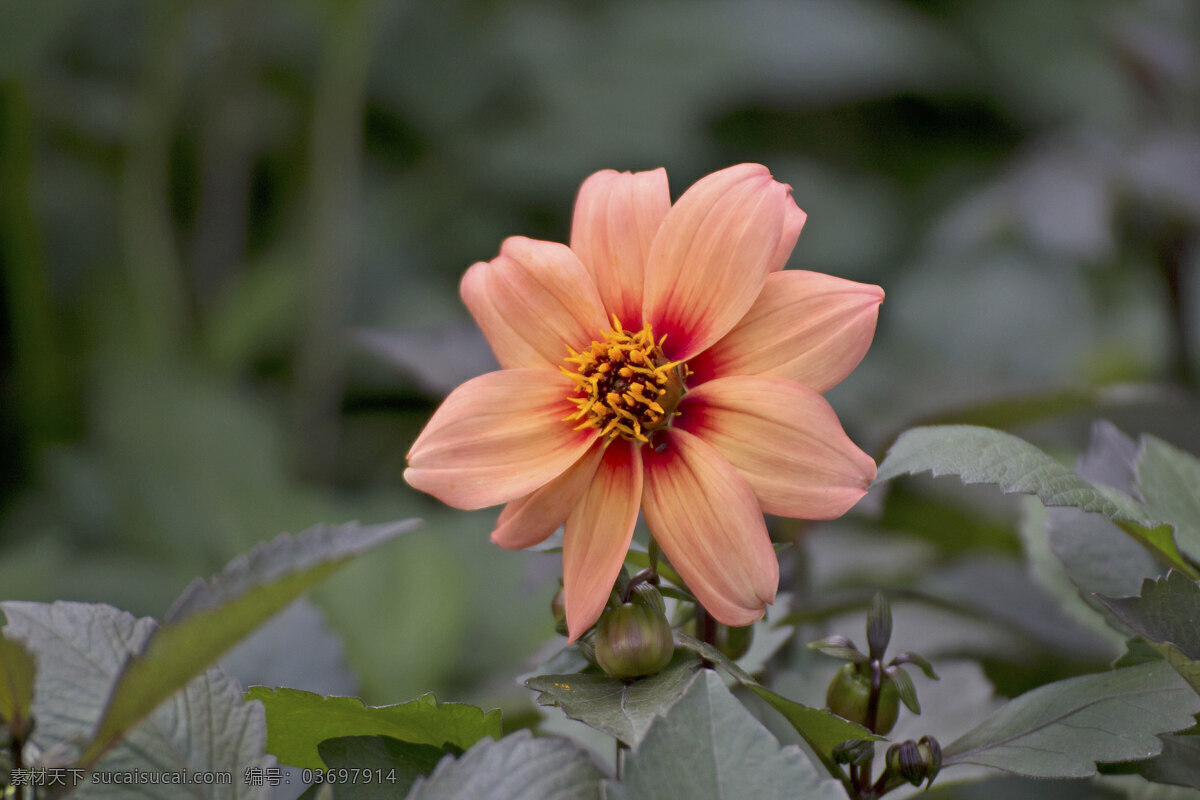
(624, 384)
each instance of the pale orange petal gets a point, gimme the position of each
(496, 438)
(598, 533)
(711, 256)
(532, 301)
(617, 215)
(804, 326)
(528, 520)
(785, 439)
(793, 223)
(707, 520)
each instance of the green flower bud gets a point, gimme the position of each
(854, 751)
(558, 608)
(647, 594)
(587, 646)
(633, 640)
(849, 696)
(931, 756)
(904, 759)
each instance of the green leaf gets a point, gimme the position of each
(1166, 612)
(982, 455)
(17, 673)
(1168, 481)
(518, 767)
(709, 746)
(1179, 762)
(393, 765)
(1062, 729)
(80, 649)
(1166, 615)
(1008, 787)
(297, 722)
(620, 709)
(209, 618)
(821, 729)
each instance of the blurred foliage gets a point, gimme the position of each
(216, 215)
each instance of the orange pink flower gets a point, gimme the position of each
(666, 363)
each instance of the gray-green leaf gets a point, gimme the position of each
(622, 710)
(81, 649)
(518, 767)
(1168, 612)
(1168, 481)
(982, 455)
(1062, 729)
(820, 728)
(709, 747)
(210, 617)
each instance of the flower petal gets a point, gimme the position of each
(598, 533)
(529, 520)
(707, 520)
(785, 439)
(804, 326)
(711, 256)
(617, 215)
(497, 437)
(793, 223)
(532, 301)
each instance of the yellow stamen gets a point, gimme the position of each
(624, 385)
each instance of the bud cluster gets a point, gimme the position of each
(867, 690)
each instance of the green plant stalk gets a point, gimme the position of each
(155, 269)
(333, 195)
(39, 366)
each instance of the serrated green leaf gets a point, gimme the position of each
(297, 722)
(518, 767)
(387, 767)
(210, 617)
(982, 455)
(1179, 762)
(622, 710)
(81, 649)
(1166, 612)
(17, 673)
(821, 729)
(708, 746)
(1062, 729)
(1168, 480)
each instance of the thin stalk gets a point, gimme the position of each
(39, 370)
(156, 274)
(333, 201)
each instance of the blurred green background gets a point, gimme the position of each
(231, 234)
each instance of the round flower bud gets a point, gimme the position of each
(633, 640)
(849, 696)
